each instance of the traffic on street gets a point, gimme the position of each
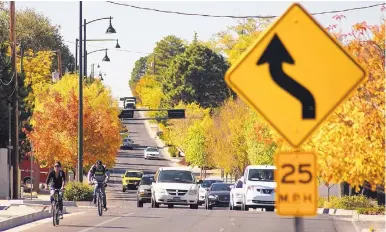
(192, 116)
(125, 214)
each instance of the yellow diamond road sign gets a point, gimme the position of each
(295, 75)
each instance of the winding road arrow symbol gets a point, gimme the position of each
(275, 55)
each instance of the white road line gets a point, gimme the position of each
(39, 222)
(105, 222)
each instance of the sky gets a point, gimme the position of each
(139, 30)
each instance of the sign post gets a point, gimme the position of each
(295, 75)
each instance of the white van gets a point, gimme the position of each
(259, 187)
(174, 186)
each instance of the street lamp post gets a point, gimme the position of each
(80, 114)
(105, 58)
(110, 30)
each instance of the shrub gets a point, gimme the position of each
(76, 191)
(173, 151)
(321, 202)
(348, 202)
(379, 210)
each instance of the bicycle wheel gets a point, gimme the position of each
(53, 211)
(57, 215)
(100, 201)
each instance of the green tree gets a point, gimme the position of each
(138, 71)
(197, 75)
(163, 54)
(37, 33)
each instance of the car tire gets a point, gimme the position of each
(170, 206)
(154, 204)
(230, 205)
(270, 208)
(195, 206)
(139, 204)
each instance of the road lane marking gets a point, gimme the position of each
(105, 222)
(39, 222)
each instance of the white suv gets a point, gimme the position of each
(259, 187)
(174, 186)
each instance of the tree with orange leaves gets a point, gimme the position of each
(55, 124)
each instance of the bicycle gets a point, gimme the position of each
(99, 196)
(55, 208)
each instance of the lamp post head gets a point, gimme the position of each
(110, 29)
(117, 45)
(106, 58)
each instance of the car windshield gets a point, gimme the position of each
(134, 174)
(220, 187)
(176, 176)
(261, 175)
(147, 180)
(208, 183)
(152, 149)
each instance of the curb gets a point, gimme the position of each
(340, 212)
(42, 202)
(25, 219)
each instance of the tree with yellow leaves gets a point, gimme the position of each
(55, 124)
(351, 143)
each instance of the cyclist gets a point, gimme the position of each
(57, 177)
(100, 173)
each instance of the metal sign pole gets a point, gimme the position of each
(299, 224)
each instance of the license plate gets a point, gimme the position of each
(177, 198)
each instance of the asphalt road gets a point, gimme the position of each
(123, 215)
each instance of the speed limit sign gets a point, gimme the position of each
(296, 191)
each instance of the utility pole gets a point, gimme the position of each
(76, 55)
(9, 149)
(80, 115)
(59, 53)
(85, 50)
(92, 72)
(154, 64)
(15, 103)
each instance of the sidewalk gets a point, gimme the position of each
(15, 215)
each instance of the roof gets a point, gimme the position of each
(175, 168)
(148, 175)
(133, 171)
(213, 178)
(260, 167)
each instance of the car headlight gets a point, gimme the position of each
(212, 197)
(238, 195)
(160, 191)
(192, 192)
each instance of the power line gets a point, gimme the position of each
(234, 16)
